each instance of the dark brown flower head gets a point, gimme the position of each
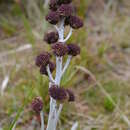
(53, 17)
(64, 1)
(37, 104)
(51, 37)
(59, 49)
(73, 49)
(65, 10)
(43, 59)
(75, 22)
(58, 94)
(43, 69)
(53, 5)
(70, 95)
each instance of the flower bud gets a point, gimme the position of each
(59, 49)
(53, 17)
(53, 5)
(58, 94)
(73, 49)
(43, 69)
(37, 104)
(51, 37)
(75, 22)
(43, 59)
(65, 10)
(70, 95)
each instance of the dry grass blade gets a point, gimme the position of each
(85, 70)
(19, 49)
(4, 84)
(75, 125)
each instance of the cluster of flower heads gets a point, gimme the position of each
(59, 10)
(60, 94)
(63, 9)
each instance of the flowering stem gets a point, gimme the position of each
(56, 28)
(58, 70)
(54, 113)
(69, 35)
(61, 31)
(42, 120)
(66, 64)
(49, 74)
(58, 113)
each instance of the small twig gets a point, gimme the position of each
(69, 35)
(49, 74)
(66, 64)
(42, 120)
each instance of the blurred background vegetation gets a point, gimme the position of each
(105, 52)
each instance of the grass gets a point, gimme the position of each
(104, 43)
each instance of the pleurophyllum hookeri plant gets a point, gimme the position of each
(61, 14)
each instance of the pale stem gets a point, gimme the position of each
(58, 113)
(42, 120)
(69, 35)
(49, 74)
(66, 64)
(54, 114)
(56, 28)
(61, 31)
(58, 70)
